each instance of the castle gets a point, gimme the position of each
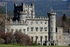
(41, 30)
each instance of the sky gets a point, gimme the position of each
(43, 6)
(32, 0)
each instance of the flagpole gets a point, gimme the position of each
(6, 9)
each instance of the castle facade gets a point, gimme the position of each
(42, 30)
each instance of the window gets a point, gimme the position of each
(59, 37)
(36, 39)
(20, 30)
(27, 28)
(45, 28)
(45, 38)
(31, 28)
(16, 29)
(12, 30)
(36, 22)
(41, 28)
(36, 28)
(32, 39)
(31, 22)
(41, 22)
(7, 29)
(23, 21)
(45, 22)
(51, 37)
(41, 38)
(51, 28)
(24, 29)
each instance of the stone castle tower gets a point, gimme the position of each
(22, 11)
(52, 28)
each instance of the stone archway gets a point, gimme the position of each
(52, 44)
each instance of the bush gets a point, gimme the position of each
(16, 38)
(2, 41)
(22, 39)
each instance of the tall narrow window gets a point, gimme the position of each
(27, 28)
(45, 39)
(36, 39)
(16, 29)
(41, 28)
(32, 28)
(32, 39)
(45, 28)
(51, 37)
(41, 22)
(59, 37)
(7, 29)
(51, 29)
(45, 22)
(20, 30)
(24, 29)
(31, 22)
(41, 39)
(36, 22)
(36, 28)
(12, 30)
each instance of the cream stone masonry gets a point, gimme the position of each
(41, 30)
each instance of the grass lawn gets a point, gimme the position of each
(1, 45)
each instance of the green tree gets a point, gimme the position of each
(64, 18)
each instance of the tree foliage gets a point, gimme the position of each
(15, 38)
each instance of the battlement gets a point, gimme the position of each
(10, 21)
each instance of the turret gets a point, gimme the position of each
(17, 10)
(33, 10)
(52, 28)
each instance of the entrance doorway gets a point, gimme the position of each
(52, 44)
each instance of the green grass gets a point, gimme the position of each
(3, 45)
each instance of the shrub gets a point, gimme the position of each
(22, 38)
(2, 41)
(16, 38)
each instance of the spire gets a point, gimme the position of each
(51, 9)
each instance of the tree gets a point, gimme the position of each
(22, 38)
(8, 37)
(15, 38)
(64, 18)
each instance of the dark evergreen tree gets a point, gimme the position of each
(64, 18)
